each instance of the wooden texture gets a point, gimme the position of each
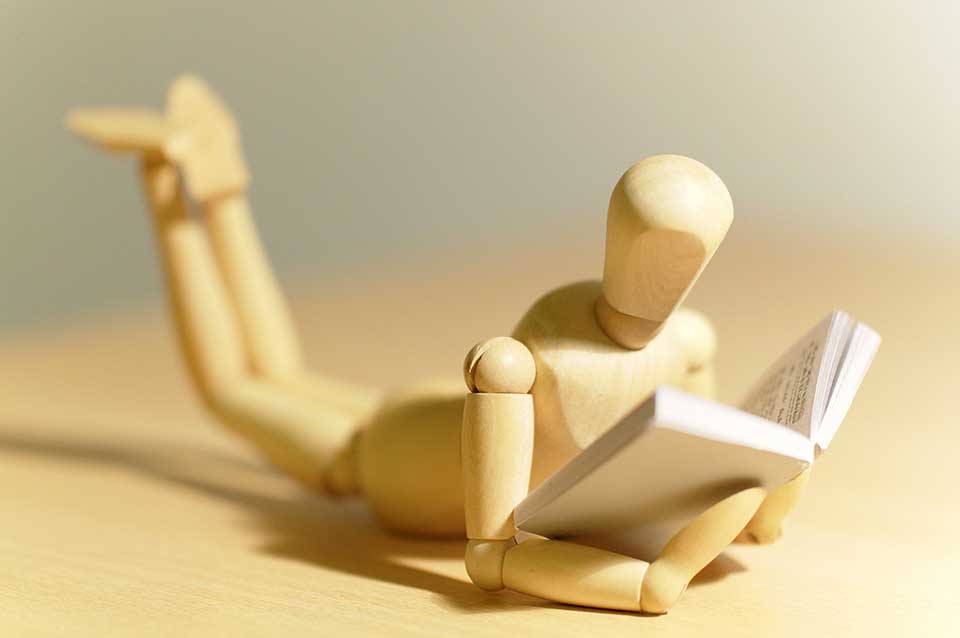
(497, 452)
(409, 460)
(197, 133)
(264, 319)
(122, 129)
(585, 382)
(278, 420)
(125, 512)
(766, 526)
(206, 144)
(667, 217)
(575, 574)
(233, 323)
(500, 364)
(484, 562)
(694, 547)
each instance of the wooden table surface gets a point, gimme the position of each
(124, 511)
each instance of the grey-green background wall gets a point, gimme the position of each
(385, 131)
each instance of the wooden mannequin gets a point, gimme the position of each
(430, 461)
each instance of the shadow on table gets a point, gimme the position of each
(306, 528)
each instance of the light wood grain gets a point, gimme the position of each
(585, 382)
(261, 310)
(667, 217)
(496, 449)
(766, 526)
(575, 574)
(694, 547)
(496, 454)
(409, 461)
(483, 561)
(125, 512)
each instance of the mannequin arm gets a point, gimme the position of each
(497, 452)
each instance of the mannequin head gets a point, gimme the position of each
(667, 216)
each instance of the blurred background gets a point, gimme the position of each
(384, 133)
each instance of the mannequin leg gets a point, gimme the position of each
(299, 435)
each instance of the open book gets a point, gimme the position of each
(677, 453)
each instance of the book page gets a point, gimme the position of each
(852, 369)
(785, 393)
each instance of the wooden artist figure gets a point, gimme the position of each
(432, 461)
